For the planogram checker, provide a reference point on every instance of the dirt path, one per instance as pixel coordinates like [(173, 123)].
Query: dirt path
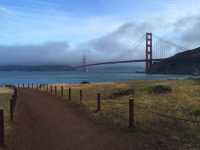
[(43, 122)]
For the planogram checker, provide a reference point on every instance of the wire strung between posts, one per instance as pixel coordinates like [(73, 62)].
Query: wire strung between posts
[(146, 109)]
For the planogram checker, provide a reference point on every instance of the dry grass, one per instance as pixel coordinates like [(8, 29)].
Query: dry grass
[(184, 99), (5, 95), (4, 90)]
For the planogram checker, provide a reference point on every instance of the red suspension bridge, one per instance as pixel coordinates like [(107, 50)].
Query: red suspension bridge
[(155, 51)]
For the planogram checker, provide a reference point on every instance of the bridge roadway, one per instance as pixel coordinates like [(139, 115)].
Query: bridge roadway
[(117, 62)]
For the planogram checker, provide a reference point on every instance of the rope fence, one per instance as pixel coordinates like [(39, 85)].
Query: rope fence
[(133, 107), (147, 109)]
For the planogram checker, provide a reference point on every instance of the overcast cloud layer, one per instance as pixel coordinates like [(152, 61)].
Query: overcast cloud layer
[(59, 37)]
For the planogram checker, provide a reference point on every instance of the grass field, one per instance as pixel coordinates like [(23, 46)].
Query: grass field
[(182, 102), (156, 114), (5, 95)]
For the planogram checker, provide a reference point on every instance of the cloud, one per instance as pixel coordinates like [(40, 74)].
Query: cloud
[(121, 44), (36, 25), (118, 44), (183, 31), (48, 53), (4, 10), (190, 35), (98, 43)]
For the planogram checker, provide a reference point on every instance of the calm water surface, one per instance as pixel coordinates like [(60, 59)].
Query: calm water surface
[(15, 77)]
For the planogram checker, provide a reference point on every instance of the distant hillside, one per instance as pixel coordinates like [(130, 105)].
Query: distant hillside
[(187, 62), (36, 68)]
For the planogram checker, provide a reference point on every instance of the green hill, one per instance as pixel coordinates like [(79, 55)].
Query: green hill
[(187, 62)]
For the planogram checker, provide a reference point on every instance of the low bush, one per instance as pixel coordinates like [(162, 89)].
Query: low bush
[(84, 82), (195, 113), (122, 92), (159, 89)]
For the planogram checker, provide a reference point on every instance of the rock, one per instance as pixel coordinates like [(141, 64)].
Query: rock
[(84, 82)]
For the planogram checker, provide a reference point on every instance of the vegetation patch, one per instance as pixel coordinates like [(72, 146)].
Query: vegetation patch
[(122, 92), (5, 95), (84, 82), (178, 98), (159, 89), (195, 113)]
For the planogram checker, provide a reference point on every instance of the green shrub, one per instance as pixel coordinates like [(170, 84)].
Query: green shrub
[(122, 92), (195, 113), (159, 89), (84, 82)]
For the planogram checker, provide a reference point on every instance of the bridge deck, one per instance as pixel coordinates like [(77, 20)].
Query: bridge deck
[(116, 62)]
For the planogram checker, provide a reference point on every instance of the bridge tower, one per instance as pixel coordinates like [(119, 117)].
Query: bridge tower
[(148, 52), (84, 69)]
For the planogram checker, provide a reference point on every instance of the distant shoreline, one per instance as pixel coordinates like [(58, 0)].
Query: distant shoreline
[(37, 68)]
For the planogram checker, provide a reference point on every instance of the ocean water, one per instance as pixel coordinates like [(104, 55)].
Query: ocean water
[(15, 77)]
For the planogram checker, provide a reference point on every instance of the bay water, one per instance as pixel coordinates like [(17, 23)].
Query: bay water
[(19, 77)]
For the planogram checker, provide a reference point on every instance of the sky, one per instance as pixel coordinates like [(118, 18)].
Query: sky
[(41, 32)]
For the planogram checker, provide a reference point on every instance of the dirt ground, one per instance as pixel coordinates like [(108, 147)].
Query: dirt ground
[(44, 122)]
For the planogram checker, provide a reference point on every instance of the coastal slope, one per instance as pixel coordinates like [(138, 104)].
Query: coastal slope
[(187, 62)]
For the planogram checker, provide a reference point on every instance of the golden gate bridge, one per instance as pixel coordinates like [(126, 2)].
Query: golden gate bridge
[(155, 51)]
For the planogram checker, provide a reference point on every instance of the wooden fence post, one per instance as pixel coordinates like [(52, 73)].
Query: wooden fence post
[(131, 113), (11, 109), (15, 91), (55, 90), (51, 90), (23, 85), (62, 93), (69, 98), (81, 96), (14, 98), (1, 127), (98, 102)]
